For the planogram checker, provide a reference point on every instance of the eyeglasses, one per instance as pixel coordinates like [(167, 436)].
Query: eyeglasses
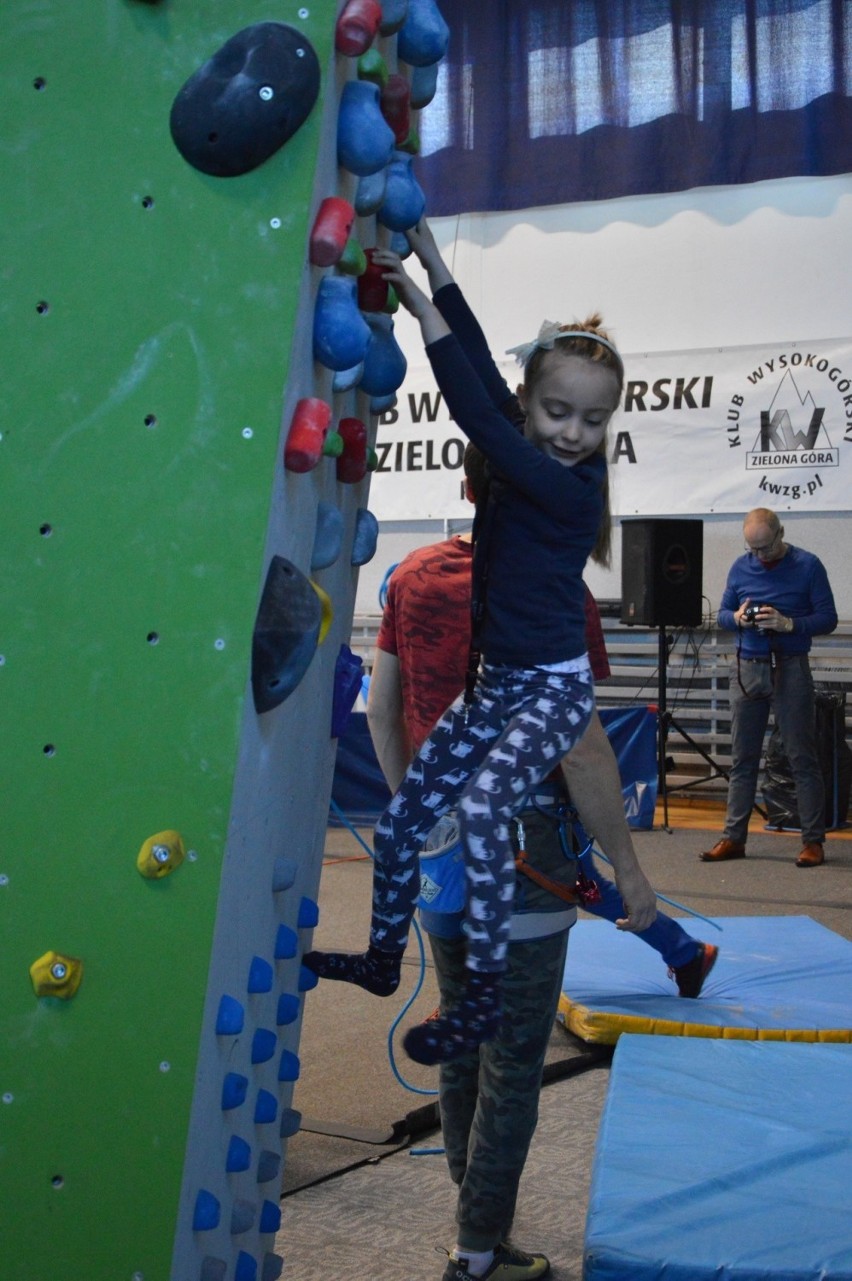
[(765, 549)]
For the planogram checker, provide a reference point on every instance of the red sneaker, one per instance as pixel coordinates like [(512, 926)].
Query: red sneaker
[(690, 976)]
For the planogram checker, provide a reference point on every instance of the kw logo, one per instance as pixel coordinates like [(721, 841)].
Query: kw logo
[(792, 433)]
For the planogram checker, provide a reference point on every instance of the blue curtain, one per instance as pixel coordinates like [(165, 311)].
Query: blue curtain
[(545, 102)]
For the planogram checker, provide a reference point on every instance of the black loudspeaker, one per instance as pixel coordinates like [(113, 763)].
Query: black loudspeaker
[(661, 566)]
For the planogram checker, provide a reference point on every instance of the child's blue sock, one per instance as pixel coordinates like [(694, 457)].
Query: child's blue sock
[(376, 971), (461, 1029)]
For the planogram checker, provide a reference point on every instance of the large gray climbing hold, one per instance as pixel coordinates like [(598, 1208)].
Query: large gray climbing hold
[(247, 100)]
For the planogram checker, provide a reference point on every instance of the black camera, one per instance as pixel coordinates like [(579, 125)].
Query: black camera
[(750, 613)]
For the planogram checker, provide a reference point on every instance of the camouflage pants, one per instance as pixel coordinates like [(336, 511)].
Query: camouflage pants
[(489, 1099)]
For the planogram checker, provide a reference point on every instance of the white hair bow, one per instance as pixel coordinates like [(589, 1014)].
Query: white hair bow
[(547, 335)]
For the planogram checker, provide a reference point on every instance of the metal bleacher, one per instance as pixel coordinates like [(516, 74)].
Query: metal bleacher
[(696, 686)]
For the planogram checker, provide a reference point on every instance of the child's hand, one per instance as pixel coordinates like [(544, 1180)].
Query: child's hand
[(410, 295), (426, 251), (423, 243), (432, 324)]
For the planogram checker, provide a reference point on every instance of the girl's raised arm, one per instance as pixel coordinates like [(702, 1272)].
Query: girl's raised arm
[(432, 323)]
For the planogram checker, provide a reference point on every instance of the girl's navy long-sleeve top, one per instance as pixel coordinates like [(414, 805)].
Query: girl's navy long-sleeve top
[(545, 516)]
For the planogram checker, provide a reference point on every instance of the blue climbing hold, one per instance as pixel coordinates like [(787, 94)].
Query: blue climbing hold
[(291, 1121), (393, 16), (384, 364), (286, 943), (270, 1217), (381, 404), (400, 244), (365, 538), (273, 1266), (346, 379), (263, 1045), (308, 911), (404, 201), (265, 1108), (340, 332), (365, 140), (239, 1155), (348, 671), (288, 1008), (289, 1067), (260, 977), (207, 1212), (328, 535), (246, 1268), (424, 36), (424, 85), (370, 192), (283, 874), (234, 1090), (242, 1217), (230, 1018), (268, 1165)]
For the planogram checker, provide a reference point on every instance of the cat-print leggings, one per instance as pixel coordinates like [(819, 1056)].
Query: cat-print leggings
[(483, 760)]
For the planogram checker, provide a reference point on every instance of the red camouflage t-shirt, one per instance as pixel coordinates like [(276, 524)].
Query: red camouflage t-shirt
[(426, 625)]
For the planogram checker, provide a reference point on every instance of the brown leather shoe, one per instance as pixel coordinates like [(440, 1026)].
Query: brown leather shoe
[(812, 855), (722, 850)]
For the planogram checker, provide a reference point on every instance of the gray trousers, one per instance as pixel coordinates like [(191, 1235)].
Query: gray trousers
[(489, 1099), (753, 692)]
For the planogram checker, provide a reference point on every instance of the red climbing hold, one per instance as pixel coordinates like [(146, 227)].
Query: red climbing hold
[(352, 463), (330, 231), (307, 433), (372, 286), (395, 102), (357, 27)]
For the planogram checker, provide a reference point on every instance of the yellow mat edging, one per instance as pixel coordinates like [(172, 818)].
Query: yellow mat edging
[(599, 1028)]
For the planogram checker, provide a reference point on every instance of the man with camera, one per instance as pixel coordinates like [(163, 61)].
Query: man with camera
[(776, 598)]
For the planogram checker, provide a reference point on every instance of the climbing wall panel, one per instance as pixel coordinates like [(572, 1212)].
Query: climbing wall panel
[(176, 589)]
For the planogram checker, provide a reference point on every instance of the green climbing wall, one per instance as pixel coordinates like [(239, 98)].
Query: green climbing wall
[(149, 317), (162, 829)]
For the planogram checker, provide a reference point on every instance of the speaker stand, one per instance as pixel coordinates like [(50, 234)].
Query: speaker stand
[(666, 722)]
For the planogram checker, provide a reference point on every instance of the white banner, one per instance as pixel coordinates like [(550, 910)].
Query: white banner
[(698, 432)]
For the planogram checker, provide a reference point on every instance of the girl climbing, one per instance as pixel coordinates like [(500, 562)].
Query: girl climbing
[(529, 692)]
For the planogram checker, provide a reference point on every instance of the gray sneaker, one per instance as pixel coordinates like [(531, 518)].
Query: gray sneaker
[(508, 1265)]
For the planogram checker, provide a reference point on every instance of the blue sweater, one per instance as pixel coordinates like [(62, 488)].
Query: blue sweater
[(796, 585), (545, 517)]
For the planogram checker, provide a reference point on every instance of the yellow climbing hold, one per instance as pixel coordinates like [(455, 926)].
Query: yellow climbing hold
[(327, 611), (56, 975), (160, 855)]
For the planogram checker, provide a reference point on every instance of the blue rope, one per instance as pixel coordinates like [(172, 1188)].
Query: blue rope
[(591, 848), (415, 1089), (345, 821)]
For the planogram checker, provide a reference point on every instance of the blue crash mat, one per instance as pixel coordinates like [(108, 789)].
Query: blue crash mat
[(723, 1161), (777, 978)]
